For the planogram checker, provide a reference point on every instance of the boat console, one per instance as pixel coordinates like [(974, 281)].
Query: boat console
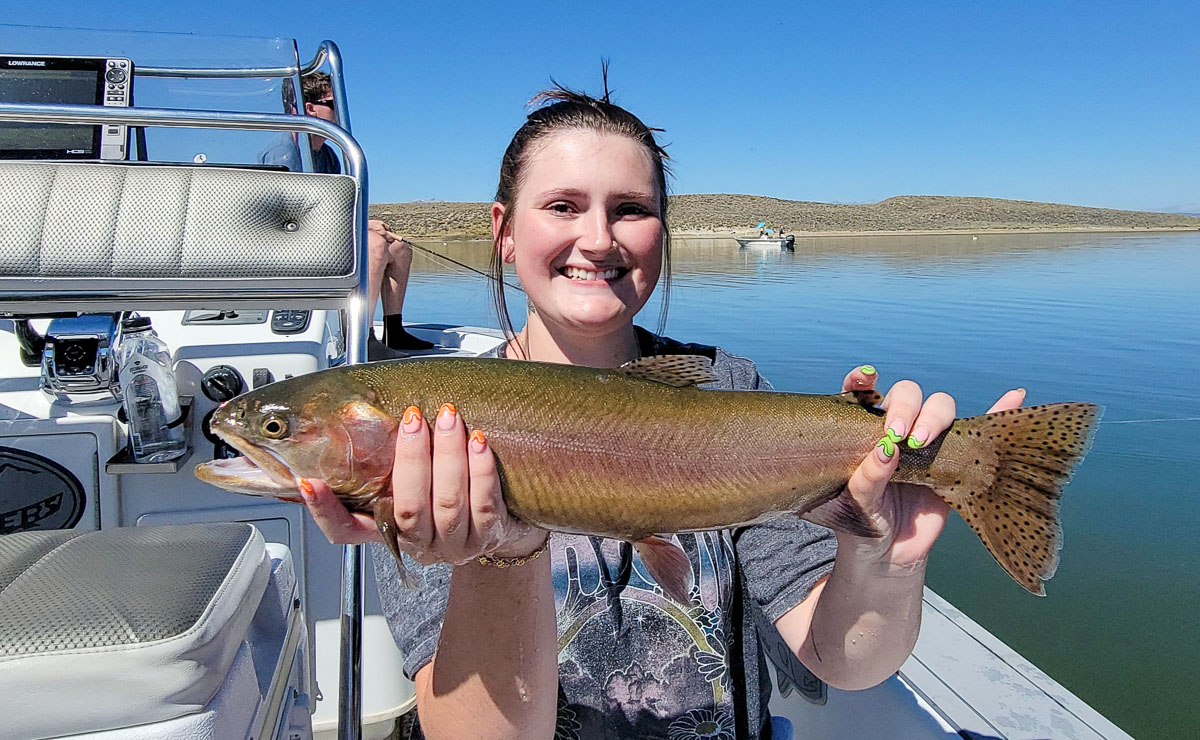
[(134, 599)]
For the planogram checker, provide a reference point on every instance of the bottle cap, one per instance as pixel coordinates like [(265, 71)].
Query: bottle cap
[(134, 323)]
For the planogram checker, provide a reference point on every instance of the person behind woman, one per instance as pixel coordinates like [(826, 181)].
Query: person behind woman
[(390, 255), (505, 641)]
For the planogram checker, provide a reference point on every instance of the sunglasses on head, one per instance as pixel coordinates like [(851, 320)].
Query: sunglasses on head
[(326, 103)]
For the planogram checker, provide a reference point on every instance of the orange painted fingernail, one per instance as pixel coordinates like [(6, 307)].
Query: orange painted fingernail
[(306, 489), (478, 441), (412, 420), (445, 416)]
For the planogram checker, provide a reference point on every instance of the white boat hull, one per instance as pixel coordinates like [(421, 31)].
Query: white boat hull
[(760, 243)]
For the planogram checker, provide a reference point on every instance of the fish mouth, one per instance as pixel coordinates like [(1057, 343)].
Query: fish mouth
[(258, 472), (608, 274)]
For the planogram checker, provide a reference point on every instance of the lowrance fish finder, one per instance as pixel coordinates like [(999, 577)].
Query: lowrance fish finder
[(65, 80)]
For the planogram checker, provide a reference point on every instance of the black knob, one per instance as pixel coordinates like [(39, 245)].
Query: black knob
[(115, 76), (222, 383)]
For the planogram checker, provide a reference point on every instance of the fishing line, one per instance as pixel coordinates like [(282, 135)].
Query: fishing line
[(1151, 420), (437, 255)]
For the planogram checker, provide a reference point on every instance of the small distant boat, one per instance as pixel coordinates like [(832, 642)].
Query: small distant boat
[(768, 242), (760, 242)]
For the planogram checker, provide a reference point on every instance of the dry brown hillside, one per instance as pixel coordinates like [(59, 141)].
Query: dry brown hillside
[(739, 213)]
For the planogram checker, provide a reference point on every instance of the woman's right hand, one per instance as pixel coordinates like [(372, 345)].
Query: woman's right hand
[(446, 498)]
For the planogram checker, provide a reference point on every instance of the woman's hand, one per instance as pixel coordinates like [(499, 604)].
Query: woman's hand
[(446, 498), (910, 515)]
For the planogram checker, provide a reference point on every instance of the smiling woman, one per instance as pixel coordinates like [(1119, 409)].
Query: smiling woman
[(600, 639), (623, 211), (591, 245)]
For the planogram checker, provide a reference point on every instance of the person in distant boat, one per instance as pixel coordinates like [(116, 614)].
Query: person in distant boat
[(390, 254), (514, 633)]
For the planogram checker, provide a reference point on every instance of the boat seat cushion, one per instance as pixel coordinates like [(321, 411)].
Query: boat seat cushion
[(72, 228), (109, 629)]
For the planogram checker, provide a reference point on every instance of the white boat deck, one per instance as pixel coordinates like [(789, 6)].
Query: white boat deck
[(987, 689), (961, 681)]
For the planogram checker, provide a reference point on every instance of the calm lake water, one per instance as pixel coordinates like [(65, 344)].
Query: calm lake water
[(1110, 319)]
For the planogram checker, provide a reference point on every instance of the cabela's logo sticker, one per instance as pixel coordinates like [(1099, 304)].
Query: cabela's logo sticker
[(37, 493)]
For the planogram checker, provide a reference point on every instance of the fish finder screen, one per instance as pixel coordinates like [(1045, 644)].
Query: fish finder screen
[(70, 86)]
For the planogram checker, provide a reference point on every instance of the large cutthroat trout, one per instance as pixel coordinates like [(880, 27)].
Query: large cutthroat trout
[(639, 451)]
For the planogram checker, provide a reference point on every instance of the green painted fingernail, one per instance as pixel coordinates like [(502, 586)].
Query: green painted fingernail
[(867, 370), (889, 442), (918, 438)]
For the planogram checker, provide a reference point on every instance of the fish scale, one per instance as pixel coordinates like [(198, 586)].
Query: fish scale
[(639, 451)]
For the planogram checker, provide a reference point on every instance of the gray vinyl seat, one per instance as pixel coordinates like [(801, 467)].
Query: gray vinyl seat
[(122, 627), (96, 236)]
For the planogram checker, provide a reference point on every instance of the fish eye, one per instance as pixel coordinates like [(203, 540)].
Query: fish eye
[(274, 427)]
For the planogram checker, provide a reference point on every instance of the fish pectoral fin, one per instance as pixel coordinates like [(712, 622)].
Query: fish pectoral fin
[(360, 414), (385, 521), (841, 513), (669, 565), (677, 371)]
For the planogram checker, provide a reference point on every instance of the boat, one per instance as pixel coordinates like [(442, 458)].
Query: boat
[(767, 243), (138, 602), (760, 242)]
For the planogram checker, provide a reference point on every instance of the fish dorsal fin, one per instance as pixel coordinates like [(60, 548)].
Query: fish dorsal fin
[(869, 398), (677, 371)]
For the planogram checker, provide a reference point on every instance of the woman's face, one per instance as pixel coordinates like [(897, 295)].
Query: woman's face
[(585, 232)]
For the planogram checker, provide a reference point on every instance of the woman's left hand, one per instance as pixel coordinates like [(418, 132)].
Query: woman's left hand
[(911, 516)]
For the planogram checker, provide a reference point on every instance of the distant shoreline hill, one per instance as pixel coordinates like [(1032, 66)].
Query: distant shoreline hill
[(737, 214)]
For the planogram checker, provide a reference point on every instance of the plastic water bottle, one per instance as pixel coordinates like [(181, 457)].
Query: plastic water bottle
[(149, 394)]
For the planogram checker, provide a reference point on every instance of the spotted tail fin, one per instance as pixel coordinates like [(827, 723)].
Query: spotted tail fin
[(1004, 474)]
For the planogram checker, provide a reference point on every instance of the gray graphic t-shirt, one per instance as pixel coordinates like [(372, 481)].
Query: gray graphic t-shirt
[(633, 663)]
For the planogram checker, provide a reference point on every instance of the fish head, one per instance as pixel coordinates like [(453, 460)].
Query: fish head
[(324, 426)]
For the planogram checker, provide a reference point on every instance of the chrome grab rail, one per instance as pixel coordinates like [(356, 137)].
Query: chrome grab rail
[(98, 114), (350, 668), (327, 50)]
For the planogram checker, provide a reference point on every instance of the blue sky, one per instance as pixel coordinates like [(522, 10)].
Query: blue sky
[(1091, 103)]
